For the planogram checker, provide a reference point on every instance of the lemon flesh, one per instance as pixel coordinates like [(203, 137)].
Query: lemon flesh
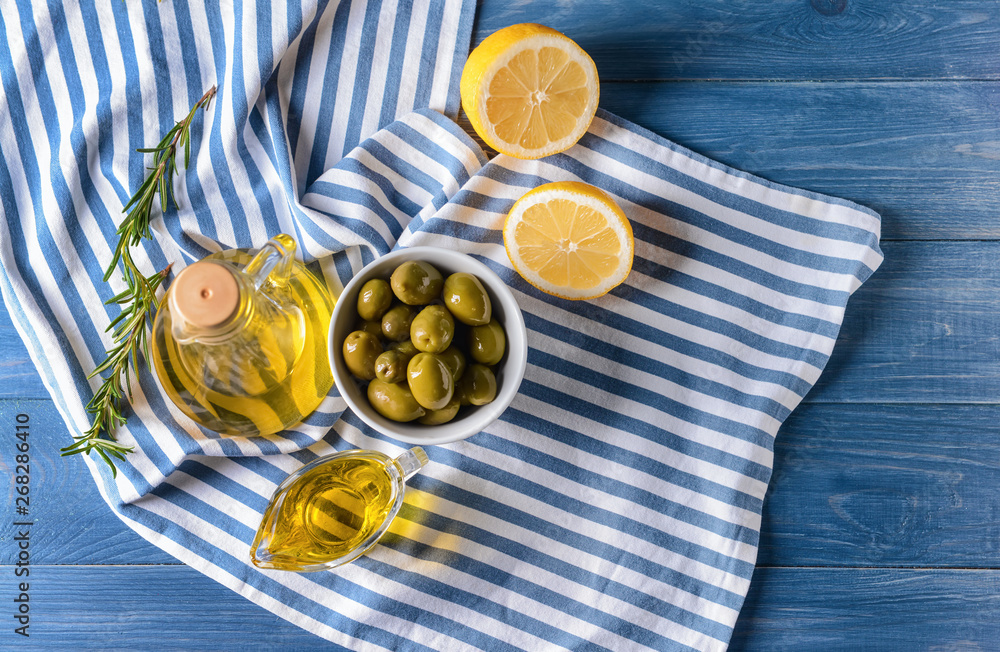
[(569, 239)]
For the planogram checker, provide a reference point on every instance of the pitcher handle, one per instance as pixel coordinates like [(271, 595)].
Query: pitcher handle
[(273, 261), (411, 461)]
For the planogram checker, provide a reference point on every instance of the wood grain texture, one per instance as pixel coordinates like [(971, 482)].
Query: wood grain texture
[(870, 609), (774, 40), (18, 376), (144, 608), (923, 329), (72, 523), (885, 485), (925, 156)]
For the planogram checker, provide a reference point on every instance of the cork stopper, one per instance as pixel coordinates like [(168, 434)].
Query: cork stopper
[(205, 294)]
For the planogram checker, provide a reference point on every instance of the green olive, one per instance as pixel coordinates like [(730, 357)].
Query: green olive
[(466, 298), (374, 299), (360, 351), (373, 328), (416, 283), (433, 329), (444, 415), (405, 348), (430, 381), (455, 359), (396, 323), (478, 385), (391, 367), (487, 343), (394, 401)]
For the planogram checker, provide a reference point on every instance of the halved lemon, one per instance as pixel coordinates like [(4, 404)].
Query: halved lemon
[(569, 239), (529, 91)]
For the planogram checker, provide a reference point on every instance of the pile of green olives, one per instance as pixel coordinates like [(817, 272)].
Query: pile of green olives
[(425, 344)]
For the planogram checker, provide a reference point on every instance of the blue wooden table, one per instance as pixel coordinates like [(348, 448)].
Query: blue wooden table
[(882, 525)]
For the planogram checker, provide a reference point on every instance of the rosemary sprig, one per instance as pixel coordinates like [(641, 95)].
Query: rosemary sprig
[(138, 301)]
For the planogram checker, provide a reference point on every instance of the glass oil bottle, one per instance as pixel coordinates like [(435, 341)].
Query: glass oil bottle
[(240, 340)]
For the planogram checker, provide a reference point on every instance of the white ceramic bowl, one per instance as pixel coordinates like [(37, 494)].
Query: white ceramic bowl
[(471, 419)]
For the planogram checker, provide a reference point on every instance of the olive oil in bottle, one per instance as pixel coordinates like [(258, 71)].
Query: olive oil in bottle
[(240, 340), (333, 510)]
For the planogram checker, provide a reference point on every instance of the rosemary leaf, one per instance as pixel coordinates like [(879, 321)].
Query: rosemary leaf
[(136, 197), (138, 301), (163, 192)]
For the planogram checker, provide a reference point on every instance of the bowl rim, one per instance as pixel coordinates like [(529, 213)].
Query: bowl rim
[(508, 379)]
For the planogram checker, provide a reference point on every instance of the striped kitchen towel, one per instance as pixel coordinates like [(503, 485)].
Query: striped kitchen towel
[(615, 505)]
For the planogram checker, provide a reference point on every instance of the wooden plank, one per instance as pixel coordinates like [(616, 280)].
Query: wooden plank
[(140, 608), (925, 156), (885, 485), (62, 492), (775, 40), (870, 609), (18, 376), (923, 329)]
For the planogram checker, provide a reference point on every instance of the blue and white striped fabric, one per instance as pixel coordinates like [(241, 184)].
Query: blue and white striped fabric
[(617, 502)]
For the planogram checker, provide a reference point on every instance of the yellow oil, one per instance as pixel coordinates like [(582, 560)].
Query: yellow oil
[(265, 378), (327, 513)]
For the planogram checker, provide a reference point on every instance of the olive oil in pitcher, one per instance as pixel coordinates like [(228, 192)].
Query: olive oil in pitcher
[(240, 340), (333, 510)]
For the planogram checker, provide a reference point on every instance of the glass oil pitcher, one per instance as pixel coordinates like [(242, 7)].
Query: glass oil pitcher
[(240, 340), (333, 510)]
